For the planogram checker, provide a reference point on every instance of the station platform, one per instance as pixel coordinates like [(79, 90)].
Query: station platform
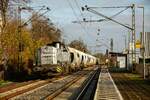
[(106, 88)]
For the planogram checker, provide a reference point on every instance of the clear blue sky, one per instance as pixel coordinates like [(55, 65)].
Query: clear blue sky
[(63, 12)]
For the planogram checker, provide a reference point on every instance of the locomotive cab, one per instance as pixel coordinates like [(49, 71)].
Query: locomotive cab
[(52, 59)]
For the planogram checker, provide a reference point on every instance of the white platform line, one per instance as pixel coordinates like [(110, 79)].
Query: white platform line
[(117, 90), (114, 85), (95, 96)]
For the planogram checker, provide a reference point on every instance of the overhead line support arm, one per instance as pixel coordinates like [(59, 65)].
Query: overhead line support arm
[(97, 13)]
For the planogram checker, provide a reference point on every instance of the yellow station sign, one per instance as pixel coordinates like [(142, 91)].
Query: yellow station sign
[(138, 44)]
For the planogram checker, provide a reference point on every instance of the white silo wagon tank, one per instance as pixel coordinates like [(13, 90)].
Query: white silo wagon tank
[(75, 58)]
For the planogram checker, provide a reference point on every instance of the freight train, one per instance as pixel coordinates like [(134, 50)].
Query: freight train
[(56, 58)]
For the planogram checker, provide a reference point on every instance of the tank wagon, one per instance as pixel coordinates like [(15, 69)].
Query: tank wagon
[(56, 58)]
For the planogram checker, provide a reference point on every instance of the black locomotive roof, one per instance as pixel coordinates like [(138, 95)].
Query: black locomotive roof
[(54, 43)]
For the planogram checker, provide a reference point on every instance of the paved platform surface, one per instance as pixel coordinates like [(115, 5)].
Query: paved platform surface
[(106, 88)]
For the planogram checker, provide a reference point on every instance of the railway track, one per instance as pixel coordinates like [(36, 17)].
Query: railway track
[(131, 89), (14, 85), (82, 89), (16, 89), (74, 87), (89, 87), (47, 90)]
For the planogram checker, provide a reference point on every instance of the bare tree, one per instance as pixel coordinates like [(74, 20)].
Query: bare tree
[(4, 9), (42, 27), (80, 45), (101, 57), (4, 13)]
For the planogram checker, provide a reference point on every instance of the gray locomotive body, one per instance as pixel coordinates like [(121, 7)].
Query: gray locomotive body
[(56, 58)]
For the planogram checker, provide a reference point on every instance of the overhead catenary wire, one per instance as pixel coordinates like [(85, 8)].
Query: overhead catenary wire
[(112, 7), (100, 20), (75, 14), (119, 12), (77, 17), (32, 18), (79, 8), (100, 14)]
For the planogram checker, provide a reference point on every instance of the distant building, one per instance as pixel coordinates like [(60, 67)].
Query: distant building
[(118, 60)]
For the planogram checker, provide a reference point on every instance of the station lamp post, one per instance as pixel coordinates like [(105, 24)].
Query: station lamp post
[(143, 46)]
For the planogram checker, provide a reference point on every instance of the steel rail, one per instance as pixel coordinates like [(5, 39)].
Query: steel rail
[(81, 94), (64, 87), (18, 91)]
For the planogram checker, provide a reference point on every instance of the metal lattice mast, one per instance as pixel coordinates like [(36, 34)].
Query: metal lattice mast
[(133, 35)]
